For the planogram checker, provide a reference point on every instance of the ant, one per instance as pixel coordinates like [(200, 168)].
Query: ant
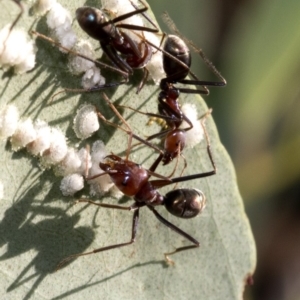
[(176, 64), (134, 181), (127, 54), (112, 40)]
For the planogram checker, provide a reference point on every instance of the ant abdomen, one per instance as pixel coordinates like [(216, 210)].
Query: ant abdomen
[(185, 203), (175, 46)]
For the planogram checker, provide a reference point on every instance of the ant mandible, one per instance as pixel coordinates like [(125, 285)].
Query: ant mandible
[(134, 181), (113, 40)]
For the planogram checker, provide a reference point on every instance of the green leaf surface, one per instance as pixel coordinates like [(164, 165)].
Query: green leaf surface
[(39, 226)]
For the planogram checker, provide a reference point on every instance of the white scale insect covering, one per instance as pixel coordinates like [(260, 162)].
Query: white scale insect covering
[(71, 184), (24, 134), (70, 164), (42, 140), (59, 20), (57, 150), (41, 7), (16, 50), (195, 135), (86, 121), (9, 118)]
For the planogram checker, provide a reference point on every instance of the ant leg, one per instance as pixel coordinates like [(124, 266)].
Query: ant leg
[(208, 147), (135, 221), (183, 169), (144, 14), (128, 130), (14, 22), (161, 42), (96, 62), (143, 81), (94, 89), (99, 64), (86, 173), (146, 113), (117, 60), (164, 117), (176, 165), (153, 167), (177, 230), (106, 205), (130, 14), (18, 2), (184, 166)]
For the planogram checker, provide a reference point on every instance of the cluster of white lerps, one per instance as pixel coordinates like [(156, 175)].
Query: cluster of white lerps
[(16, 50), (50, 145)]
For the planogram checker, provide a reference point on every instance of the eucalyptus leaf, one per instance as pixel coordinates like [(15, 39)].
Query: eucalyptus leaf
[(39, 226)]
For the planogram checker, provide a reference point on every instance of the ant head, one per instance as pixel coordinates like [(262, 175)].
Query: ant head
[(174, 144), (94, 22), (185, 203), (127, 175)]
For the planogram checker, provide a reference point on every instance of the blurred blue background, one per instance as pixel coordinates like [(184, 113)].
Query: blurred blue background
[(256, 46)]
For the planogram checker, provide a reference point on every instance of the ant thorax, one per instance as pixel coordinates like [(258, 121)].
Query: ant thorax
[(149, 195)]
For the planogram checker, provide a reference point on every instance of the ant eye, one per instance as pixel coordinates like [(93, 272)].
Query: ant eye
[(90, 18), (125, 181)]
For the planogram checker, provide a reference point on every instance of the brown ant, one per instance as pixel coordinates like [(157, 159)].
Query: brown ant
[(134, 181), (125, 53), (113, 41), (176, 64)]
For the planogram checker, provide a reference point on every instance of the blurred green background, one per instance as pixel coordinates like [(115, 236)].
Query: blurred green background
[(256, 46)]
